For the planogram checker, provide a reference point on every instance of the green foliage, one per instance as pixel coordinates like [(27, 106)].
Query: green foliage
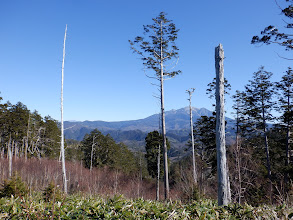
[(73, 150), (157, 47), (259, 100), (52, 134), (78, 207), (126, 159), (205, 138), (38, 136), (285, 96), (271, 34), (13, 187), (52, 192), (99, 150), (211, 90), (154, 141)]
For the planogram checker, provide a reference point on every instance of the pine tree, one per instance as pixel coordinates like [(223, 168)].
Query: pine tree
[(153, 142), (238, 107), (259, 105), (285, 95), (158, 51), (101, 150), (271, 34)]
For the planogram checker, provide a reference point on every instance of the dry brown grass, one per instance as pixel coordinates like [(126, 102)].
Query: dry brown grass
[(102, 181)]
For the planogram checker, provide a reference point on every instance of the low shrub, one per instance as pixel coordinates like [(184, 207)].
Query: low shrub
[(52, 192), (13, 186)]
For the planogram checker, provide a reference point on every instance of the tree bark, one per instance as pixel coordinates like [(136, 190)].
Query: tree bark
[(238, 166), (9, 157), (223, 186), (62, 125), (166, 172), (92, 153), (192, 137), (288, 141), (27, 134), (158, 174), (267, 151)]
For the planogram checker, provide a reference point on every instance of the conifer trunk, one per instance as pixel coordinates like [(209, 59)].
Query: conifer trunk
[(288, 141), (238, 162), (166, 172), (267, 150), (158, 173), (165, 156), (223, 186)]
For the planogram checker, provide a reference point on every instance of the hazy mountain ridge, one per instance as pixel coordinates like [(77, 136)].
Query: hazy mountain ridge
[(175, 120), (133, 132)]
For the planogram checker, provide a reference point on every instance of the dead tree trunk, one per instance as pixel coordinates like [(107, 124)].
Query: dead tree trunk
[(192, 137), (92, 153), (223, 187), (27, 134), (9, 157), (62, 126)]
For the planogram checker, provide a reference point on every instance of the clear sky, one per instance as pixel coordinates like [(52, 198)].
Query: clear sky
[(104, 80)]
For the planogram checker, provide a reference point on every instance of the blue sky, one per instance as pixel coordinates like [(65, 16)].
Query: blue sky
[(104, 80)]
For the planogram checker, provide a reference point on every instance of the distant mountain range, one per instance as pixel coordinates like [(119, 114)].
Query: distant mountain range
[(133, 132), (175, 120)]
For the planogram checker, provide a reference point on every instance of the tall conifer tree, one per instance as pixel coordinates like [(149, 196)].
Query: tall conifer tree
[(158, 52), (285, 96), (259, 105)]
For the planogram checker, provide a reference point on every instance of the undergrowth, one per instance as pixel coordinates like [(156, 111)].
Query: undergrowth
[(77, 206)]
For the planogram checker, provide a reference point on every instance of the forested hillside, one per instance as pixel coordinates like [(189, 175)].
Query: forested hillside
[(170, 165)]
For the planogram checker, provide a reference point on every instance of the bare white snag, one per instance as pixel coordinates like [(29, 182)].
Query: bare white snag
[(62, 125), (27, 134), (9, 157), (190, 91), (224, 196), (92, 152)]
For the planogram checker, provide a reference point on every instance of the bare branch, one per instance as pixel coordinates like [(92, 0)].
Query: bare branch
[(283, 57), (155, 33), (278, 5), (153, 84), (169, 77), (168, 55), (140, 53), (174, 65), (157, 97)]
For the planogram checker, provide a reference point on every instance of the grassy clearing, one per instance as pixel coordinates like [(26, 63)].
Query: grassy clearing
[(85, 207)]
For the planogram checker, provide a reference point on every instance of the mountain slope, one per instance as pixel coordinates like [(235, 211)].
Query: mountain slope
[(175, 120), (133, 132)]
